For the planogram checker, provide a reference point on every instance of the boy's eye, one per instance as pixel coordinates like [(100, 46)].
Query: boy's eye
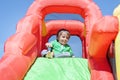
[(65, 37)]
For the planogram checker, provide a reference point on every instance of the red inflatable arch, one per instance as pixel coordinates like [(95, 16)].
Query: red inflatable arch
[(76, 28), (23, 47)]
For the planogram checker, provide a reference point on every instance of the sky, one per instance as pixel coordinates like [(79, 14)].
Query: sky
[(11, 11)]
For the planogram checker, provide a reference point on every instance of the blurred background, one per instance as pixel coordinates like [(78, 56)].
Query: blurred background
[(11, 11)]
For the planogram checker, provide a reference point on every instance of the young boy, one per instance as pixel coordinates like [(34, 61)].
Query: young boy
[(59, 47)]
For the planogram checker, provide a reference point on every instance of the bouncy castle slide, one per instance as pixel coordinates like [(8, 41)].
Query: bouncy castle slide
[(97, 33)]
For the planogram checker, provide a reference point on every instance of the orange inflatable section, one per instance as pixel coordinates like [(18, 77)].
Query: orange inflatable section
[(96, 33), (100, 41)]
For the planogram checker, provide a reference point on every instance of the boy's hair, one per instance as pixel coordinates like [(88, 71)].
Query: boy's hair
[(62, 30)]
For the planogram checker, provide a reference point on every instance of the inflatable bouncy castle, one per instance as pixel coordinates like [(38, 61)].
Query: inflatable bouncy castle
[(99, 35)]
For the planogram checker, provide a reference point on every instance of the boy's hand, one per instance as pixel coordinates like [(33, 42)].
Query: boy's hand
[(48, 45)]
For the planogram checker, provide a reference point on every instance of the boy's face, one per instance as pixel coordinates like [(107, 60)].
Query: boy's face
[(63, 38)]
